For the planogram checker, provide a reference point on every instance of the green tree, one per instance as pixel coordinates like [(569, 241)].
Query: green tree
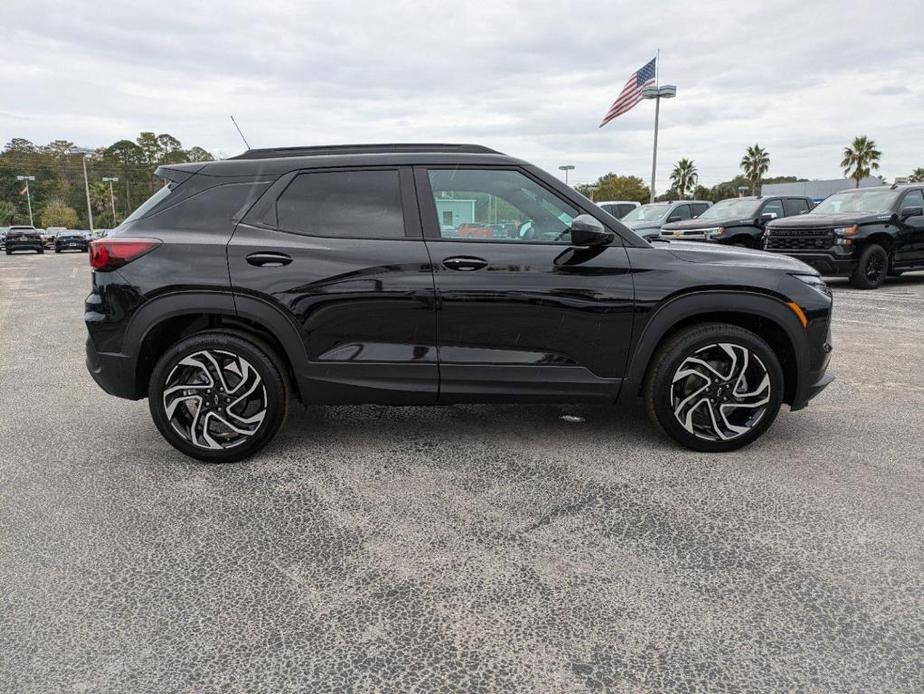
[(917, 176), (615, 187), (198, 154), (684, 177), (755, 163), (860, 159), (58, 214), (7, 213)]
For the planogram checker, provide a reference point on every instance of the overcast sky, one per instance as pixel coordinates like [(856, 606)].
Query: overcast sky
[(532, 79)]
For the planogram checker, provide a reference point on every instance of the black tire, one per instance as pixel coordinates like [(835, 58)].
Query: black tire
[(41, 251), (663, 392), (57, 250), (273, 400), (871, 269)]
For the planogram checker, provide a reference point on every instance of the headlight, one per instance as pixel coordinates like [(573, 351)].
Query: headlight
[(815, 282), (847, 231), (713, 232)]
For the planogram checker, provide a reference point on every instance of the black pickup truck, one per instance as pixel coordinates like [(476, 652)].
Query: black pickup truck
[(863, 233)]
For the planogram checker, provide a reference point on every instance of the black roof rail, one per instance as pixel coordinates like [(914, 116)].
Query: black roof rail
[(280, 152)]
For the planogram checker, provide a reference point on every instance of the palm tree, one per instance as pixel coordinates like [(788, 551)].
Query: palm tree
[(917, 176), (684, 176), (755, 164), (860, 159)]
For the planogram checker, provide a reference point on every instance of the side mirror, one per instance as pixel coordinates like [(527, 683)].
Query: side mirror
[(673, 218), (587, 231), (911, 212), (767, 216)]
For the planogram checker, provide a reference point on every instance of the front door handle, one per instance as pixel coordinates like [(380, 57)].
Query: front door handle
[(465, 263), (269, 258)]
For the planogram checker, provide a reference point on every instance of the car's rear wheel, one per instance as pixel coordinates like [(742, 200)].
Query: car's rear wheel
[(218, 397), (871, 269), (714, 387)]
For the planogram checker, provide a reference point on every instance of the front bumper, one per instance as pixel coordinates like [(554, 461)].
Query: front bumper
[(827, 264)]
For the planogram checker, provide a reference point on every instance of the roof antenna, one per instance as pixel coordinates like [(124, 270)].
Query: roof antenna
[(246, 144)]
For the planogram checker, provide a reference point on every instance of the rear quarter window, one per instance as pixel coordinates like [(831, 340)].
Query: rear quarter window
[(211, 209)]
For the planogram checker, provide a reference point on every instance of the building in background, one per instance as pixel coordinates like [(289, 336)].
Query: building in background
[(817, 190)]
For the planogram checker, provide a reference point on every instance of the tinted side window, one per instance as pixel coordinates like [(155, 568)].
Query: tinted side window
[(795, 206), (699, 208), (773, 207), (210, 210), (913, 199), (623, 210), (345, 204), (681, 212)]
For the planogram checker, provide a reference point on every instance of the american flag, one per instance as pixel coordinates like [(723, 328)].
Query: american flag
[(631, 94)]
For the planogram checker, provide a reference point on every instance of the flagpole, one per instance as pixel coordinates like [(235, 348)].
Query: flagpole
[(654, 155)]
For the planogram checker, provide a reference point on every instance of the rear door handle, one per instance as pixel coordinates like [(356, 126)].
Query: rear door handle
[(465, 263), (269, 258)]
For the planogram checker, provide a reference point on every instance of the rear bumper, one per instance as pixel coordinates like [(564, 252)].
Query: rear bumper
[(113, 372), (24, 245)]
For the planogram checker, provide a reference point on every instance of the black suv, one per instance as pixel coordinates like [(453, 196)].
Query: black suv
[(335, 274), (24, 238), (863, 233), (737, 221), (71, 241)]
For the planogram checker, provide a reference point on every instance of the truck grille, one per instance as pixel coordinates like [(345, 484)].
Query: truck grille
[(799, 239)]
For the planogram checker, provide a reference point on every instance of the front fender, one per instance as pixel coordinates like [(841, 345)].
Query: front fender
[(711, 302)]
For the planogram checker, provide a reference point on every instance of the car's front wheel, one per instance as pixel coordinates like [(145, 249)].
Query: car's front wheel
[(218, 397), (714, 387), (871, 269)]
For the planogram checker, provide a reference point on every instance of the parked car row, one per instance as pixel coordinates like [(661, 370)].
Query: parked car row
[(24, 237), (865, 234)]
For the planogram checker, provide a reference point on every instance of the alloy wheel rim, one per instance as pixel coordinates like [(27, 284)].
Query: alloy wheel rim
[(874, 268), (215, 399), (720, 392)]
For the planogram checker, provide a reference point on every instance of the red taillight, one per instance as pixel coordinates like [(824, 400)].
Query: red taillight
[(112, 253)]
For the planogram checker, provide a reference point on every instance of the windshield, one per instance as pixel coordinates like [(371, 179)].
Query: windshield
[(652, 212), (148, 204), (863, 201), (731, 209)]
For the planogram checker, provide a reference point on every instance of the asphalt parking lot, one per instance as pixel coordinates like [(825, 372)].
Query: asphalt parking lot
[(465, 548)]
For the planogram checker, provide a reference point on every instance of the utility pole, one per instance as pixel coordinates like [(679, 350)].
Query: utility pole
[(111, 180), (28, 195), (86, 180), (86, 185)]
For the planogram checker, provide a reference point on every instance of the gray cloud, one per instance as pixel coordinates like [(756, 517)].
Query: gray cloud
[(529, 78)]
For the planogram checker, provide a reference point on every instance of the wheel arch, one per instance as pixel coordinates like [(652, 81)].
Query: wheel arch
[(163, 321), (765, 315)]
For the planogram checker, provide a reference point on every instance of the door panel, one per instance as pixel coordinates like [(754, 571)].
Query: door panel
[(909, 242), (521, 315), (364, 307)]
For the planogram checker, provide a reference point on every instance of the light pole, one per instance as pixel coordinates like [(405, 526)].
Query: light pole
[(28, 195), (668, 91), (742, 190), (566, 168), (111, 180), (86, 181)]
